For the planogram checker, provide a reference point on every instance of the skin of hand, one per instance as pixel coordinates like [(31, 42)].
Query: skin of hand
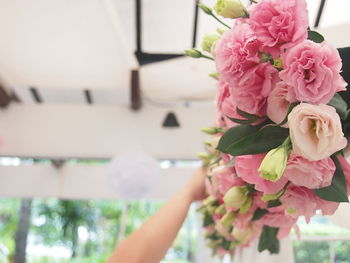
[(150, 242), (196, 186)]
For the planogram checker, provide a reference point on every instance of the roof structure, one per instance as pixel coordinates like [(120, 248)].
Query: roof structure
[(74, 72)]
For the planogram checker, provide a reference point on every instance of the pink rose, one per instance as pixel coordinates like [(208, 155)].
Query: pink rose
[(346, 170), (315, 131), (247, 169), (277, 103), (313, 72), (300, 201), (236, 54), (311, 174), (279, 23), (252, 97)]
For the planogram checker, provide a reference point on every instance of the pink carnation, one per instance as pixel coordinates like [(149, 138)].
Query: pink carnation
[(225, 104), (313, 72), (300, 201), (247, 169), (252, 97), (279, 23), (277, 103), (311, 174), (236, 54)]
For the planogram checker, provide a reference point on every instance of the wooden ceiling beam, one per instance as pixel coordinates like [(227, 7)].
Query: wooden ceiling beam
[(5, 97), (136, 100)]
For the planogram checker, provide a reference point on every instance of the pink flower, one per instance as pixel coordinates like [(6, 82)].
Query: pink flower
[(236, 54), (346, 170), (210, 188), (311, 174), (327, 207), (242, 220), (277, 103), (222, 179), (247, 169), (313, 72), (279, 23), (221, 252), (276, 217), (225, 104), (315, 131), (300, 201), (252, 97), (223, 231)]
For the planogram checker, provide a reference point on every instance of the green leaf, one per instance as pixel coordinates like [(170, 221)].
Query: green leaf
[(336, 192), (274, 203), (248, 118), (259, 213), (261, 141), (234, 134), (268, 240), (340, 105), (291, 107), (207, 220), (315, 36), (247, 115), (240, 121)]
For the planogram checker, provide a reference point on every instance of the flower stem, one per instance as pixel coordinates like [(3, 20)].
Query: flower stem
[(287, 143), (207, 57), (220, 21)]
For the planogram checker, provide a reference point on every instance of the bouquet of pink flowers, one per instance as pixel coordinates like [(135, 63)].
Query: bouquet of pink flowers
[(276, 148)]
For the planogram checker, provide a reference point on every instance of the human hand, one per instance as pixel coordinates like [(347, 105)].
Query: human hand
[(196, 186)]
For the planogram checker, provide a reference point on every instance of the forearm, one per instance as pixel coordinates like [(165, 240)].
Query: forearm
[(150, 243)]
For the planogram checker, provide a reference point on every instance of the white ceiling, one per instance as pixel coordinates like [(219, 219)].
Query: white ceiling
[(63, 47)]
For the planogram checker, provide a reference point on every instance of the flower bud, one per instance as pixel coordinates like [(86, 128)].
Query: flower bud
[(236, 197), (212, 144), (274, 164), (246, 206), (205, 8), (227, 219), (211, 209), (193, 53), (242, 235), (230, 8), (205, 158), (220, 30), (212, 130), (214, 75), (270, 197), (209, 201), (208, 41), (220, 210)]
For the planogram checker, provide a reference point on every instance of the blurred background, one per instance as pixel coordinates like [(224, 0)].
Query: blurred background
[(100, 124)]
